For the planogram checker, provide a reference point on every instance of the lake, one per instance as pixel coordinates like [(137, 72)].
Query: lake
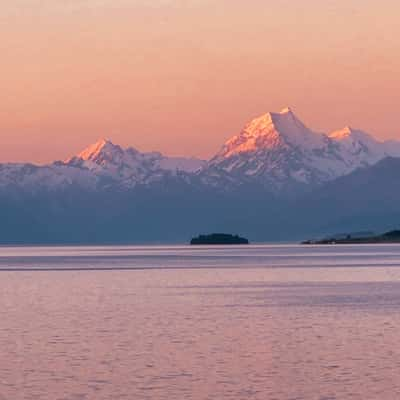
[(177, 322)]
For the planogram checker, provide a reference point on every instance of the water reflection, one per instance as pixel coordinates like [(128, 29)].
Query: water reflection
[(256, 331)]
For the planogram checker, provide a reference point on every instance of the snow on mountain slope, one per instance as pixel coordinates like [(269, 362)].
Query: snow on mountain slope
[(190, 165), (100, 165), (129, 166), (105, 155), (358, 146), (359, 149), (278, 150), (50, 177), (272, 130), (275, 151)]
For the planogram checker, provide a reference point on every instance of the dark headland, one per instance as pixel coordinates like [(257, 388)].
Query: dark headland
[(218, 238), (388, 237)]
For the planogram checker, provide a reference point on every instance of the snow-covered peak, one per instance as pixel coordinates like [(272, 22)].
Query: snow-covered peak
[(94, 149), (348, 134), (284, 122), (272, 130), (357, 144), (285, 110), (101, 152), (129, 166), (341, 134), (295, 131), (277, 148)]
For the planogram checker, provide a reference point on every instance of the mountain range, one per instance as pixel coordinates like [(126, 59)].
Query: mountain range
[(275, 180)]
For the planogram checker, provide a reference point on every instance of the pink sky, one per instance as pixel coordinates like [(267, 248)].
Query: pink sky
[(183, 76)]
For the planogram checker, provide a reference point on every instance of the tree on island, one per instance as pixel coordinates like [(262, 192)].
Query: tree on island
[(219, 238)]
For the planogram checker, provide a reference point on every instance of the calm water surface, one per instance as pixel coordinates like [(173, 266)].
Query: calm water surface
[(256, 322)]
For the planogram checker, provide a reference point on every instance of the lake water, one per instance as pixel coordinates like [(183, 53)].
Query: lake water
[(254, 322)]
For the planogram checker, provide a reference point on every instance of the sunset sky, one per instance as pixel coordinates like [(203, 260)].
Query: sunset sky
[(183, 76)]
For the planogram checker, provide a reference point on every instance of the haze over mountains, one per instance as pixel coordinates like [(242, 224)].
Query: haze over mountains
[(272, 181)]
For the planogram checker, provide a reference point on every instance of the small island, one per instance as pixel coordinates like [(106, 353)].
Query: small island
[(388, 237), (218, 239)]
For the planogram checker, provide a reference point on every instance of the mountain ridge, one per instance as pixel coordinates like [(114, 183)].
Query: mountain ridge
[(275, 150), (278, 150), (173, 211)]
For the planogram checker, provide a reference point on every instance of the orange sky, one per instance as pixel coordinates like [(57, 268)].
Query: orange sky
[(182, 76)]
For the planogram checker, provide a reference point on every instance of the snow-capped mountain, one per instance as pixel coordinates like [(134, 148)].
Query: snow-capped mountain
[(363, 147), (52, 177), (278, 150), (275, 173), (101, 165), (104, 155), (275, 151), (129, 166)]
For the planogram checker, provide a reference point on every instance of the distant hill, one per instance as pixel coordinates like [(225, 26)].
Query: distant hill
[(366, 200)]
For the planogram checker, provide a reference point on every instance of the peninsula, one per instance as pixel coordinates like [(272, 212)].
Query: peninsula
[(388, 237)]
